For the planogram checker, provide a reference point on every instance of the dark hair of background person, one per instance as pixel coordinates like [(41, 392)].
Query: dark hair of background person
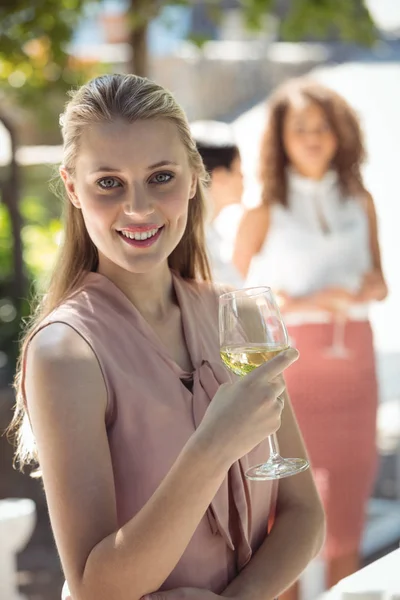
[(215, 156)]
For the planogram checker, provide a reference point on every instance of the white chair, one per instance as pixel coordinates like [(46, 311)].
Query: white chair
[(17, 522)]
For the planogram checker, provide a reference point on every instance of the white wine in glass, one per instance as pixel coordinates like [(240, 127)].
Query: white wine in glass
[(244, 359), (251, 333)]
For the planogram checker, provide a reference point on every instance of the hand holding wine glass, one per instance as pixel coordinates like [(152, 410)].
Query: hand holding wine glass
[(242, 414), (252, 333)]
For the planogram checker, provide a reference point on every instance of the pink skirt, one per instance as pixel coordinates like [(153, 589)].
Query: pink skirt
[(335, 401)]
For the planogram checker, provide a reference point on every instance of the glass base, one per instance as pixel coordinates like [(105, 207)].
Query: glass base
[(277, 468), (337, 352)]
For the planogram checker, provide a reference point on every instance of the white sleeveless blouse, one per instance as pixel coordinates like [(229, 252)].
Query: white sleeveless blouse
[(319, 240)]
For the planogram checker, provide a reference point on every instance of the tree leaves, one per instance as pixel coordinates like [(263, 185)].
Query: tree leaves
[(34, 36), (34, 41), (318, 19)]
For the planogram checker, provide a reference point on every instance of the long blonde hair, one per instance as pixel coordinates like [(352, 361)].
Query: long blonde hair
[(104, 99)]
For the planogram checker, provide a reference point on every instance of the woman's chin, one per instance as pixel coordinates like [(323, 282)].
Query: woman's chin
[(143, 265)]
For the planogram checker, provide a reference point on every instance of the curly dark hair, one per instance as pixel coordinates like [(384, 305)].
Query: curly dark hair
[(350, 153)]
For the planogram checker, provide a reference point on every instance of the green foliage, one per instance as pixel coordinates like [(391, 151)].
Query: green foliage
[(5, 244), (350, 20), (23, 22), (40, 236), (319, 18), (41, 231), (40, 240), (34, 57), (34, 36), (35, 70), (254, 11), (11, 322)]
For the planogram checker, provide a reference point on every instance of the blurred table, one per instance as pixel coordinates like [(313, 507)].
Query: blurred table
[(378, 581)]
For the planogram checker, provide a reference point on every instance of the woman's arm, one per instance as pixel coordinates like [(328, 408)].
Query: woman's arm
[(374, 286), (67, 405), (332, 300), (250, 237), (298, 531)]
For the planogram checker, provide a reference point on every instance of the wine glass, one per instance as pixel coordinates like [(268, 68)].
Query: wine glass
[(252, 332), (338, 348)]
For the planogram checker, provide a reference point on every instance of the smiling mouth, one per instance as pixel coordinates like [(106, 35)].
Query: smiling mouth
[(314, 149), (141, 239)]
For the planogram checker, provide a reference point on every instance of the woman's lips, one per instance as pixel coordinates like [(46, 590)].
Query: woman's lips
[(152, 235)]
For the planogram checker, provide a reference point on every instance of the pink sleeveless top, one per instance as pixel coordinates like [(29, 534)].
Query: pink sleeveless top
[(151, 414)]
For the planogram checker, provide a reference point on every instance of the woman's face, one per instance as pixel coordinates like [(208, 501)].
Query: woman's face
[(308, 139), (133, 184)]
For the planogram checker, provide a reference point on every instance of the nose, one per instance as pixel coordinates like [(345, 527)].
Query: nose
[(137, 203), (315, 134)]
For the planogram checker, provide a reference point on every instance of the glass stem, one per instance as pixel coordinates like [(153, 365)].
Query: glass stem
[(338, 332), (273, 453)]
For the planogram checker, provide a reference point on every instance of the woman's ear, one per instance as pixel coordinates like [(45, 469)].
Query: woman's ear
[(193, 186), (69, 186)]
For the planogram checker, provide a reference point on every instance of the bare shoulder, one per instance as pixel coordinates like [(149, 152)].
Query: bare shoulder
[(259, 211), (66, 398), (254, 227), (367, 202), (251, 234), (58, 357), (258, 215), (58, 341)]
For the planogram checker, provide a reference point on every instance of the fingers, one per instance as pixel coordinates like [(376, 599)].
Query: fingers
[(271, 369), (274, 388)]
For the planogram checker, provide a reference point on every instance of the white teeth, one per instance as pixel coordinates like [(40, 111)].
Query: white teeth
[(144, 235)]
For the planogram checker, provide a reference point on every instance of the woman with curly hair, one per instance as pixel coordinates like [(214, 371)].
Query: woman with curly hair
[(314, 240)]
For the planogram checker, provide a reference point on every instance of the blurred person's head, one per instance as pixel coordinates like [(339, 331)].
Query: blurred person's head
[(311, 129), (135, 199), (221, 157)]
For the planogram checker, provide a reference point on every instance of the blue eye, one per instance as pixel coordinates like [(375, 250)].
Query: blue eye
[(162, 178), (108, 183)]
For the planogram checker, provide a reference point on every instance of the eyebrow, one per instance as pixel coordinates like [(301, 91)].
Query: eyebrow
[(161, 163)]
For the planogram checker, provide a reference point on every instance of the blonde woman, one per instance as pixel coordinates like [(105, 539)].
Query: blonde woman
[(141, 435)]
